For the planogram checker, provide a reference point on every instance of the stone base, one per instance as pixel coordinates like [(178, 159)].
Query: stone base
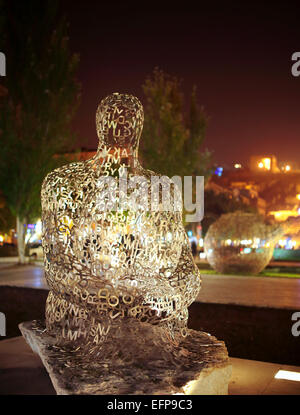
[(207, 374)]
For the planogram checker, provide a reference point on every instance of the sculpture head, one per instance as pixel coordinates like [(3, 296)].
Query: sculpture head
[(119, 121)]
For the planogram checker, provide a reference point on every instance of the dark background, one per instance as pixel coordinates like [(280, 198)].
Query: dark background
[(237, 53)]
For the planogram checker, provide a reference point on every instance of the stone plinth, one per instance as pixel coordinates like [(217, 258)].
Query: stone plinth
[(205, 369)]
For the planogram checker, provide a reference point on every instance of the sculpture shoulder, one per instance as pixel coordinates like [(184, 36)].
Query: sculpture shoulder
[(63, 175), (62, 181)]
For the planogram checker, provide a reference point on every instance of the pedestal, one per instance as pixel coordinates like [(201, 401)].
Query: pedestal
[(206, 371)]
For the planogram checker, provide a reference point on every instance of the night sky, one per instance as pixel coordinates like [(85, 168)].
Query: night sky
[(238, 55)]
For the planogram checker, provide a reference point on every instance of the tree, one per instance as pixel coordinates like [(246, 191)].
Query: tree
[(42, 96), (7, 220), (173, 136)]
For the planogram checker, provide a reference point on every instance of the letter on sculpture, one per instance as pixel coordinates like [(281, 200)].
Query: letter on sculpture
[(121, 276)]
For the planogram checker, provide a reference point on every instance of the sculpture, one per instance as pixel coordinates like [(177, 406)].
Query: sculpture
[(241, 242), (121, 275), (121, 279)]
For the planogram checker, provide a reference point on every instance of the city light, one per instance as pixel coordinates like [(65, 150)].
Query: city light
[(247, 250), (34, 232), (219, 171), (287, 168), (282, 215), (238, 166), (298, 196), (265, 163), (287, 243), (287, 375)]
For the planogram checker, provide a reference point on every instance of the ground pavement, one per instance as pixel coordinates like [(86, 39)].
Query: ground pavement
[(249, 377)]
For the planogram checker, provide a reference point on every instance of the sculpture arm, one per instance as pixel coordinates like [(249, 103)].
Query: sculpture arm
[(187, 275)]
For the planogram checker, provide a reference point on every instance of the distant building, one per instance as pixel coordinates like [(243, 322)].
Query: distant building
[(238, 188), (264, 163)]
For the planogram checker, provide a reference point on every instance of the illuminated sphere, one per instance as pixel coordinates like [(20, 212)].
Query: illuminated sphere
[(240, 242)]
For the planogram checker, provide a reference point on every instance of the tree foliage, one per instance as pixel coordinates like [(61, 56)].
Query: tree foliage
[(7, 220), (42, 96), (219, 204), (173, 135)]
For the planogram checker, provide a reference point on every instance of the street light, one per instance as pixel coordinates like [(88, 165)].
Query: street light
[(265, 163)]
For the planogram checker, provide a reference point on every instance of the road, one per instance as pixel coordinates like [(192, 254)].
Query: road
[(222, 289)]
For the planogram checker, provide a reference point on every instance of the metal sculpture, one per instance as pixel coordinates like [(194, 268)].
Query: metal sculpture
[(241, 242), (121, 275)]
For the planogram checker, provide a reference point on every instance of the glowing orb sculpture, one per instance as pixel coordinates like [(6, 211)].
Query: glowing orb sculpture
[(240, 243), (121, 279)]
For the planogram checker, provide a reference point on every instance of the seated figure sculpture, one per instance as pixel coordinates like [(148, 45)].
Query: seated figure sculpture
[(121, 279)]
